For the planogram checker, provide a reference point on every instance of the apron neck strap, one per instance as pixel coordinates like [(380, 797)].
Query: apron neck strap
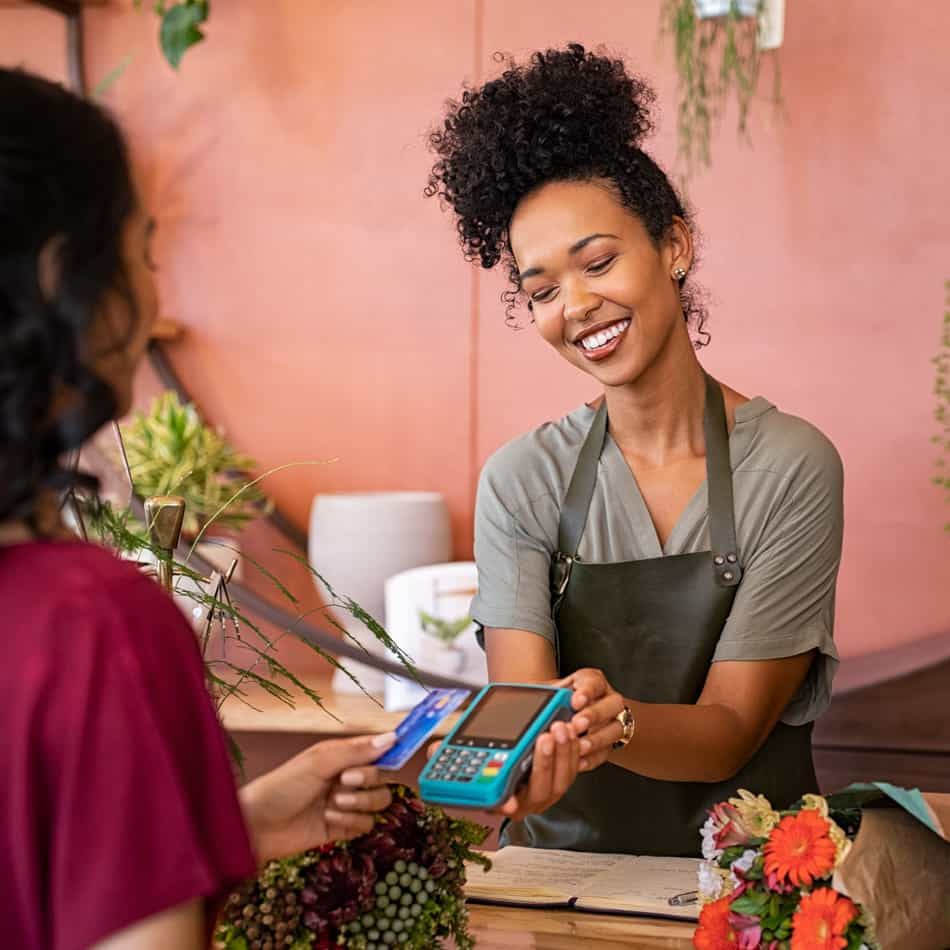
[(722, 526), (722, 518), (581, 489)]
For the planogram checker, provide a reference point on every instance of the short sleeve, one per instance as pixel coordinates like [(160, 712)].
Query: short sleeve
[(143, 808), (513, 550), (785, 601)]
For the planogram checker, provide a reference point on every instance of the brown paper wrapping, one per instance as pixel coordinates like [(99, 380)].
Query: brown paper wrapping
[(900, 871)]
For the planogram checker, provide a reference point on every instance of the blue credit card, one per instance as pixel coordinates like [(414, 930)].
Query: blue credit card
[(419, 724)]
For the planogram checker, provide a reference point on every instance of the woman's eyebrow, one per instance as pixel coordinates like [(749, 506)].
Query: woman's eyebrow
[(573, 249)]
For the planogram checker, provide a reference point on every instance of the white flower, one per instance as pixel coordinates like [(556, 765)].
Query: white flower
[(708, 833), (745, 860), (710, 881)]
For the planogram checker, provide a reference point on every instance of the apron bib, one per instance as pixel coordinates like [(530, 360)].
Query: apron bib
[(652, 626)]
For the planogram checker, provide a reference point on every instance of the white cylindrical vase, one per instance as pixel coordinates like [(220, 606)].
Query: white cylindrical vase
[(359, 540), (711, 8)]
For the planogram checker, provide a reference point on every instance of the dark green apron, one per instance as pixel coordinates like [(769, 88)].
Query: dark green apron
[(652, 626)]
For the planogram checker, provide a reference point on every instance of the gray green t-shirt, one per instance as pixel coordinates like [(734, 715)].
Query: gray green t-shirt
[(787, 483)]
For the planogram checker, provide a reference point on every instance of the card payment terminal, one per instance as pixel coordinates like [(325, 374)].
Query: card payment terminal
[(482, 760)]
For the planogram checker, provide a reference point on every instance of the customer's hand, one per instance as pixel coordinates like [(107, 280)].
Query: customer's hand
[(326, 793), (596, 707)]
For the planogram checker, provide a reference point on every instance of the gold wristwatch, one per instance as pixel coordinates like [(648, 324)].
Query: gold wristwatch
[(625, 718)]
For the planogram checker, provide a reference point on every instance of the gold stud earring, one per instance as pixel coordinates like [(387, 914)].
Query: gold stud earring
[(679, 273)]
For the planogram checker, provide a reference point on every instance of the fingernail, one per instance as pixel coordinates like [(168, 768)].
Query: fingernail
[(384, 740), (345, 799), (583, 724), (333, 816), (582, 764), (353, 778), (561, 736), (547, 747), (585, 746)]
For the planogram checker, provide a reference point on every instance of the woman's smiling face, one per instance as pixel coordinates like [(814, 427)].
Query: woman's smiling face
[(602, 292)]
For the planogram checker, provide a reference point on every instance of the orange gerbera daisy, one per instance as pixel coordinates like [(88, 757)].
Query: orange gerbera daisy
[(821, 920), (714, 931), (800, 849)]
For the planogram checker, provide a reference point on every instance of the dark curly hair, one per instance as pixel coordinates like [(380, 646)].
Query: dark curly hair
[(567, 115), (65, 179)]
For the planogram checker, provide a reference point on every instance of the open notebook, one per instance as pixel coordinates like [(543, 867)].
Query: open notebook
[(601, 883)]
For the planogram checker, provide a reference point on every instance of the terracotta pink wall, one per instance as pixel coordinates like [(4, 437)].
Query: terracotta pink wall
[(330, 314)]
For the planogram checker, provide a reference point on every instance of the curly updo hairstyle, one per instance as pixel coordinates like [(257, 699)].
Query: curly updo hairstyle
[(64, 178), (567, 115)]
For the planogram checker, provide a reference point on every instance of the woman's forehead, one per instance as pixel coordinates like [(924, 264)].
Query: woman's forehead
[(555, 217)]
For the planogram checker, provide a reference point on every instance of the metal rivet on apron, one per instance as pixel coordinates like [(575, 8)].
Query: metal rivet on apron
[(731, 558), (719, 559), (727, 575)]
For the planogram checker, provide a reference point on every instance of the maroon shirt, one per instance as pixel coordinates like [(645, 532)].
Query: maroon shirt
[(116, 794)]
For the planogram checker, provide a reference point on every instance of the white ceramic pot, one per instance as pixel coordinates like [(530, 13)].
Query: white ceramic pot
[(358, 541), (712, 8)]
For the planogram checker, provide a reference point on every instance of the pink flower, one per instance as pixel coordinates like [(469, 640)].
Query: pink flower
[(773, 884), (730, 830), (748, 931)]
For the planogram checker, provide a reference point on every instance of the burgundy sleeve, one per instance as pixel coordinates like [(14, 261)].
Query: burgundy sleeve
[(144, 808)]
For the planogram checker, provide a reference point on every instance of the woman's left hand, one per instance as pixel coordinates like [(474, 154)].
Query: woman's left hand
[(326, 793), (596, 708)]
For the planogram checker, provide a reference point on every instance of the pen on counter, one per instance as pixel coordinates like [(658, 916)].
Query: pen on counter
[(687, 897)]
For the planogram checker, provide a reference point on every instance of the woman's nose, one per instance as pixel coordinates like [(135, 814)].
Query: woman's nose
[(580, 303)]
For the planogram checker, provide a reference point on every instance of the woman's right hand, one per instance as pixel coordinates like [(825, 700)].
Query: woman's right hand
[(596, 707), (553, 770)]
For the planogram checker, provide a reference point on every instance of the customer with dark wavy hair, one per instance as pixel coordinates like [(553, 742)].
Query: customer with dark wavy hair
[(669, 550), (119, 817)]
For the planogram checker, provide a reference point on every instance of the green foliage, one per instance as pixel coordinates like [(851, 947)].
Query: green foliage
[(446, 631), (228, 675), (172, 452), (180, 27), (402, 884), (704, 86), (942, 412)]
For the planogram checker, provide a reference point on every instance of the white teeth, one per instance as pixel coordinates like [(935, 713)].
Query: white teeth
[(597, 340)]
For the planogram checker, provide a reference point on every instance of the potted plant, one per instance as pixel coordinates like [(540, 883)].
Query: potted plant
[(445, 656), (171, 451), (718, 47)]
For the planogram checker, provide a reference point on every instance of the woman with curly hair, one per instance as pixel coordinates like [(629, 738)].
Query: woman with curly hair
[(119, 818), (669, 550)]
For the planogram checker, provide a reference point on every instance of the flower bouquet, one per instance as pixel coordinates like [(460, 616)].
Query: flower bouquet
[(826, 874), (401, 885)]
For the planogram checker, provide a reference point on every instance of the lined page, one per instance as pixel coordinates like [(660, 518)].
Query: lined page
[(642, 884), (539, 875)]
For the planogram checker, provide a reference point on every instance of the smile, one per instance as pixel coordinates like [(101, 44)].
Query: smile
[(603, 342)]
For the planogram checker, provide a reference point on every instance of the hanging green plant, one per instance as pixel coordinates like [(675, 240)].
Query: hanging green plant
[(717, 57), (180, 28)]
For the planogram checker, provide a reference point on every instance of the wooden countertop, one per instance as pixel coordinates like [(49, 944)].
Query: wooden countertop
[(355, 714), (508, 928)]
